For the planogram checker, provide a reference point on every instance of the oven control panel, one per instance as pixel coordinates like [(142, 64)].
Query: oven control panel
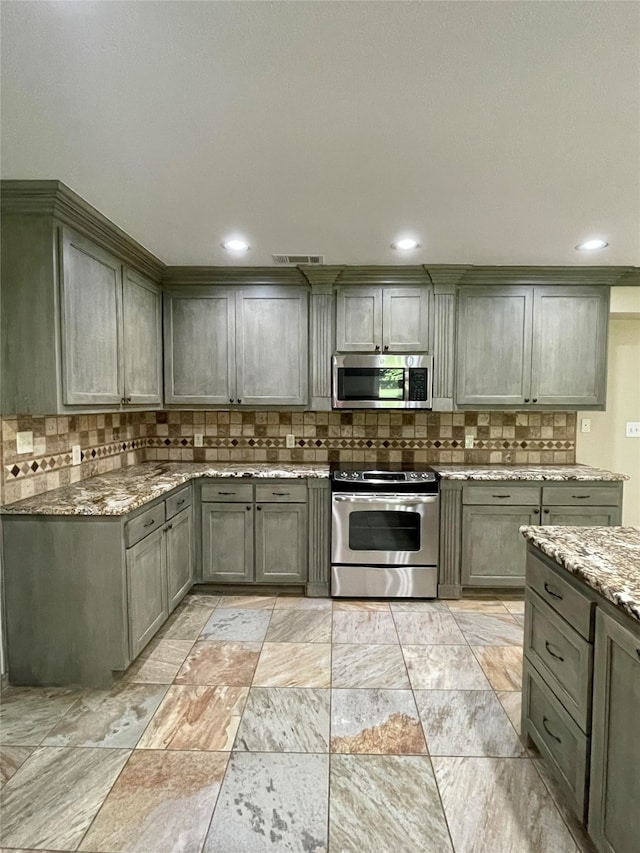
[(387, 477)]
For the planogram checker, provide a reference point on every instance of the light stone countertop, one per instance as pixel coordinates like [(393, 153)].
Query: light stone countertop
[(605, 558), (120, 492)]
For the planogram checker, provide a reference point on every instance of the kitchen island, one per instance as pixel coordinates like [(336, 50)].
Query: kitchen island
[(581, 675)]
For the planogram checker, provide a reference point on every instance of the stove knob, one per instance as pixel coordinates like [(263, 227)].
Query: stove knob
[(413, 475)]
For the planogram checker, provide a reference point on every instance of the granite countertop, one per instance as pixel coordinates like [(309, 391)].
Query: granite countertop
[(120, 492), (558, 473), (605, 558)]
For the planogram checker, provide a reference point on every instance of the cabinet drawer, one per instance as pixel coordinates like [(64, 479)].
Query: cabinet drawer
[(501, 493), (561, 655), (600, 495), (176, 503), (561, 596), (294, 492), (222, 492), (557, 737), (143, 524)]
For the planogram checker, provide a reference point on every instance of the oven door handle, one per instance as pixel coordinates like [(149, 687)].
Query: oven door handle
[(406, 500)]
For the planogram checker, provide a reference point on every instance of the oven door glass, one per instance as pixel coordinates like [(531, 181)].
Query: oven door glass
[(384, 530), (370, 383)]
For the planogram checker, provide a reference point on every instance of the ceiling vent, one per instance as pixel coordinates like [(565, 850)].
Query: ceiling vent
[(294, 260)]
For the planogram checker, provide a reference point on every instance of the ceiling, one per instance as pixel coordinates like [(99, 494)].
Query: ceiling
[(493, 132)]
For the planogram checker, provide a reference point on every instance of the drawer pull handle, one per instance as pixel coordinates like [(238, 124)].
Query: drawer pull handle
[(181, 501), (545, 720), (149, 523), (282, 494), (553, 594), (226, 493), (580, 497), (500, 496), (547, 646)]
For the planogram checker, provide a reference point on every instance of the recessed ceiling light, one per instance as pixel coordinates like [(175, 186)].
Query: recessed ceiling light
[(235, 245), (591, 245), (405, 244)]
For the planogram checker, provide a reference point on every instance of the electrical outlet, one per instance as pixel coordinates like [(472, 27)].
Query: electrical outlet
[(633, 429), (468, 440), (585, 425), (290, 440), (76, 454), (197, 439), (24, 442)]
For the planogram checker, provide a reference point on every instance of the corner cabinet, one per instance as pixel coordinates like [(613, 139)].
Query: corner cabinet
[(245, 346), (382, 319), (522, 347)]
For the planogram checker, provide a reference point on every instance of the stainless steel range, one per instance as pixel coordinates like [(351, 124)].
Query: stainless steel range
[(384, 531)]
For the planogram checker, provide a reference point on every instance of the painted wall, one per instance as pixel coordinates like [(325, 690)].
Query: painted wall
[(606, 445)]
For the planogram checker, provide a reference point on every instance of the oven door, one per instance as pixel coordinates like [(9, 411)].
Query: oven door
[(384, 530)]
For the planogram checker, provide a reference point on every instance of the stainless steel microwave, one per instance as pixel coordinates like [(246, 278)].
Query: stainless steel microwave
[(382, 381)]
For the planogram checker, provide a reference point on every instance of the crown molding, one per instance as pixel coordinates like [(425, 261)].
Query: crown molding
[(541, 275), (372, 275), (185, 276), (55, 199), (322, 277)]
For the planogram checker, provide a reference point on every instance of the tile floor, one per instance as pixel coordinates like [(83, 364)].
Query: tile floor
[(258, 723)]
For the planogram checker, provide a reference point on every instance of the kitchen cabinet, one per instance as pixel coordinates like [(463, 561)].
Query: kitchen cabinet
[(254, 533), (522, 346), (493, 553), (146, 589), (245, 346), (614, 802), (81, 323), (382, 319)]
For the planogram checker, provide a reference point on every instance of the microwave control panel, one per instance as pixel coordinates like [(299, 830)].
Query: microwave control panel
[(418, 383)]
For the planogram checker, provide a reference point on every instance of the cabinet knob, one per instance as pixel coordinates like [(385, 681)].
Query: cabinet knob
[(248, 507), (258, 508), (377, 347), (123, 400), (386, 347), (536, 511), (169, 527), (526, 399), (546, 511), (128, 399), (238, 400), (231, 399), (535, 400)]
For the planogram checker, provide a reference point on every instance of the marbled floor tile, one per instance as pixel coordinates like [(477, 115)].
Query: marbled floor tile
[(271, 802), (511, 701), (285, 719), (477, 605), (247, 602), (359, 665), (161, 801), (11, 759), (302, 602), (27, 714), (55, 795), (244, 625), (467, 722), (158, 662), (202, 599), (499, 805), (481, 629), (214, 663), (365, 604), (108, 718), (299, 626), (294, 665), (519, 619), (363, 627), (376, 722), (185, 623), (399, 606), (502, 665), (515, 606), (444, 668), (582, 840), (385, 803), (427, 629), (196, 717)]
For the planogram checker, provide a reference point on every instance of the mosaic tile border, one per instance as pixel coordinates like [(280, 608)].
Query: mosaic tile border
[(63, 460)]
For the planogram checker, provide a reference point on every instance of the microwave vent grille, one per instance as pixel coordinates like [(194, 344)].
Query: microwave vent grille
[(294, 260)]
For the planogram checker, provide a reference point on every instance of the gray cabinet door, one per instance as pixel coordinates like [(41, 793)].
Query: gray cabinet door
[(142, 340), (359, 319), (281, 538), (614, 802), (569, 354), (581, 516), (227, 542), (493, 364), (199, 346), (405, 319), (146, 589), (493, 551), (179, 540), (91, 323), (271, 346)]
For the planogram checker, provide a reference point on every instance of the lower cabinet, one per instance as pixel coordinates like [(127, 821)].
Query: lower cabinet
[(614, 804), (254, 533), (493, 552), (180, 557)]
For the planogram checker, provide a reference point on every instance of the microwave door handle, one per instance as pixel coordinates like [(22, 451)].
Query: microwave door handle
[(407, 373)]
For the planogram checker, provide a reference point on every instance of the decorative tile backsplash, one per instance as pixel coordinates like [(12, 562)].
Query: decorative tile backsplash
[(113, 441)]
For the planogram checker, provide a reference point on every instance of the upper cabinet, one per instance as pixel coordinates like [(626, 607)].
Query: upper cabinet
[(382, 319), (532, 346), (245, 347)]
